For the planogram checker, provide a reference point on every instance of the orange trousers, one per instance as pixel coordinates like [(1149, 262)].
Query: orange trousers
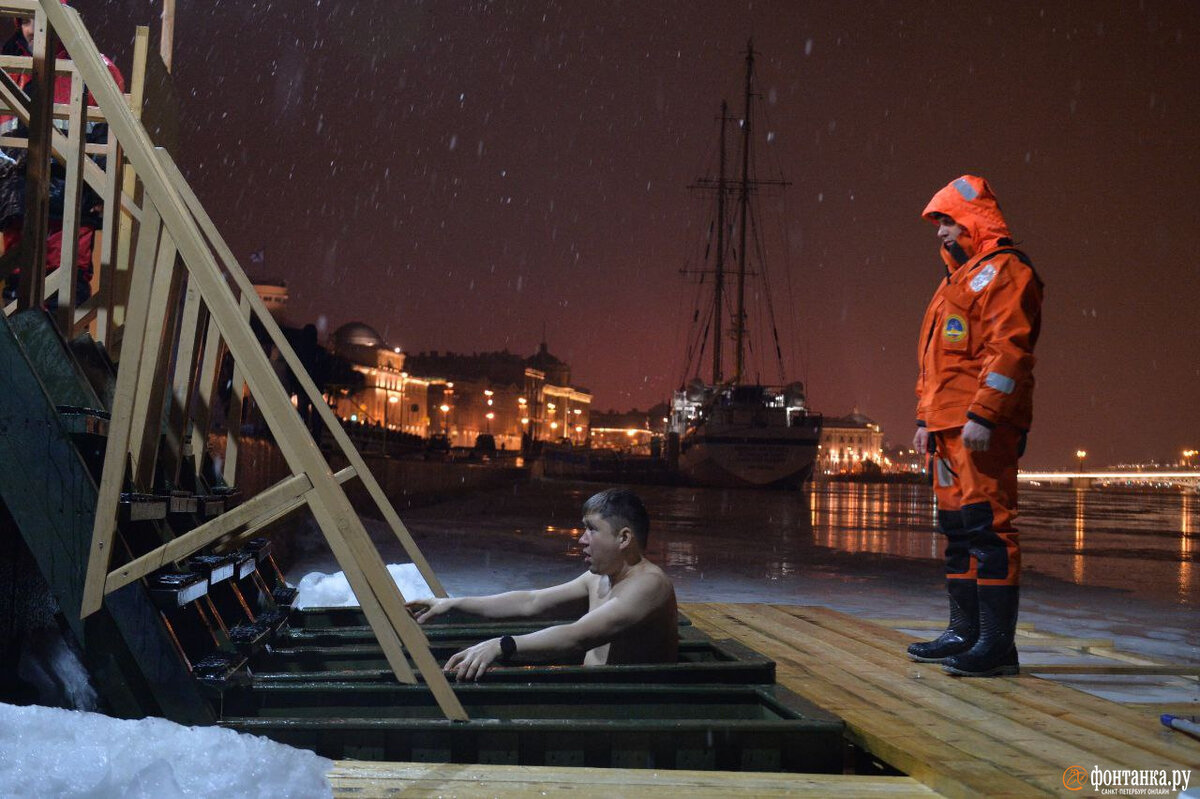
[(977, 503)]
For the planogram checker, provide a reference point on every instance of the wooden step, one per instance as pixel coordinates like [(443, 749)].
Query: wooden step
[(171, 590)]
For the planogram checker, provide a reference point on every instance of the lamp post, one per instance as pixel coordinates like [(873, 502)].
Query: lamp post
[(1080, 454), (1188, 455), (387, 420), (403, 380)]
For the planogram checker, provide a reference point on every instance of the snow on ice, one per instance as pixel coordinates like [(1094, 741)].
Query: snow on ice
[(320, 590), (50, 752)]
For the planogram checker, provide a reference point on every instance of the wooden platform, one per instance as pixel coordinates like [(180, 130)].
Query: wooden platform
[(378, 780), (1007, 737)]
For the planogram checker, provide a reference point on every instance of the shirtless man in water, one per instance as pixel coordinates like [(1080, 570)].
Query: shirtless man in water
[(631, 614)]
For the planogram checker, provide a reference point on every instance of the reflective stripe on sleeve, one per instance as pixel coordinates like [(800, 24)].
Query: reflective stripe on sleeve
[(1005, 385)]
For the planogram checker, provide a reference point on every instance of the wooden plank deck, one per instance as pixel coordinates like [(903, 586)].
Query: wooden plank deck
[(1005, 737), (960, 737), (380, 780)]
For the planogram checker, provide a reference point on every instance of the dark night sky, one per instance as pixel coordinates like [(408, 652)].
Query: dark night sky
[(459, 175)]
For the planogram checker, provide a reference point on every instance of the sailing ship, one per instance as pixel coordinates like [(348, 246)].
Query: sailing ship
[(731, 431)]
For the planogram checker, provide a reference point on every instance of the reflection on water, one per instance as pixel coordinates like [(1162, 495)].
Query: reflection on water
[(1187, 549), (1143, 543), (681, 555), (890, 520), (1077, 562)]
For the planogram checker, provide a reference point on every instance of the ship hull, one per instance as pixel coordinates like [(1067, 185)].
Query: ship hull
[(748, 458)]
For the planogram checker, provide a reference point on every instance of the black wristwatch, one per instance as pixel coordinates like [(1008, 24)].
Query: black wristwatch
[(508, 648)]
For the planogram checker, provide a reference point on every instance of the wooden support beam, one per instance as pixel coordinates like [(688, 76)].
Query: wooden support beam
[(166, 41), (233, 417), (152, 370), (114, 168), (377, 593), (266, 502), (1125, 669), (331, 422), (183, 386), (129, 185), (206, 384), (380, 598), (18, 8), (37, 170), (116, 451), (342, 476), (369, 602), (61, 111), (72, 201), (1032, 641), (21, 143), (24, 63)]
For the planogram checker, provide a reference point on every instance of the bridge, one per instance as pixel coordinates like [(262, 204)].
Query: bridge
[(1081, 479)]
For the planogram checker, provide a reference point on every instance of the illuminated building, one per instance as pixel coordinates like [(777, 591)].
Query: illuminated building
[(504, 395), (850, 444), (390, 397)]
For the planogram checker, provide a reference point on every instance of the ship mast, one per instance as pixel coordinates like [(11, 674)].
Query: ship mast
[(719, 291), (744, 206)]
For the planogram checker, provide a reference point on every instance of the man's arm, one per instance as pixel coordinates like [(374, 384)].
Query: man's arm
[(509, 605), (1011, 306), (633, 604)]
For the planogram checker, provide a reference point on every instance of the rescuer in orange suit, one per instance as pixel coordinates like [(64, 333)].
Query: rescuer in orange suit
[(975, 402)]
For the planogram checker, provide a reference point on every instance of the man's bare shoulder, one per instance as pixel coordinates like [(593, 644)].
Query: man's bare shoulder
[(649, 579)]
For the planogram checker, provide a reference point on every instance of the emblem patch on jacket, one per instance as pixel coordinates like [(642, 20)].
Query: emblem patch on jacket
[(980, 281), (955, 329)]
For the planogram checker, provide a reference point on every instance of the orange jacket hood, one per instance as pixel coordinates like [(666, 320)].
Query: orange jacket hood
[(970, 202)]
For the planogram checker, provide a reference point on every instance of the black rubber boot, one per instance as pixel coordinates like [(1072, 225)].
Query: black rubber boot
[(995, 653), (963, 630)]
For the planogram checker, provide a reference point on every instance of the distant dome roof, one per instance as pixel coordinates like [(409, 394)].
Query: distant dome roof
[(357, 334), (544, 359), (858, 417)]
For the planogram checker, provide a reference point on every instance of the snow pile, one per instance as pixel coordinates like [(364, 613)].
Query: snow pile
[(320, 590), (48, 752)]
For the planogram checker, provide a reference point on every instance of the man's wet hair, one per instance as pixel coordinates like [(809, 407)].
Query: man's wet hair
[(622, 505)]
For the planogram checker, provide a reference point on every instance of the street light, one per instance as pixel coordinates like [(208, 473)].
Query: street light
[(1080, 454), (403, 380), (387, 419), (1188, 454)]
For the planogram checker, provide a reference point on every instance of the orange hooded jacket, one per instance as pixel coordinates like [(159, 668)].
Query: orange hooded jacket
[(977, 339)]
